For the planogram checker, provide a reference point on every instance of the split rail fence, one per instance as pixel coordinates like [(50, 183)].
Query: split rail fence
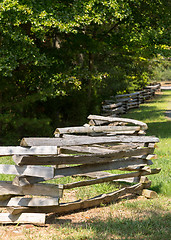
[(105, 143), (120, 104)]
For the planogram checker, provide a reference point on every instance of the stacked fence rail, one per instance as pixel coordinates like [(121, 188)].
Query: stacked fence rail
[(105, 143), (122, 103)]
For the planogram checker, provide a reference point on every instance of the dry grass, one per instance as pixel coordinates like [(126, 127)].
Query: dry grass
[(128, 219)]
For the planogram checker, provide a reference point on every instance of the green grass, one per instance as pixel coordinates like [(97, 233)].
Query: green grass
[(153, 113), (129, 219), (135, 220), (5, 177), (147, 220)]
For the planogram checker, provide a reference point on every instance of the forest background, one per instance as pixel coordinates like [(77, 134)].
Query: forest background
[(60, 59)]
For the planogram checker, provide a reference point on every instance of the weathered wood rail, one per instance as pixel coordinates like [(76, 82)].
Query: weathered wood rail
[(106, 143), (122, 103)]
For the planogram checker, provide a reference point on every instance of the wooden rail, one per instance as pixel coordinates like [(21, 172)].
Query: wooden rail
[(122, 103), (116, 145)]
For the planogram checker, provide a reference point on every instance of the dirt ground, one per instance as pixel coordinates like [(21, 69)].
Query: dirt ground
[(29, 231), (67, 225), (53, 221)]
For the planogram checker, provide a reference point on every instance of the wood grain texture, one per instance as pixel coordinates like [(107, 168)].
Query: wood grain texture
[(130, 163), (71, 140), (106, 152), (135, 94), (7, 190), (114, 110), (35, 218), (83, 204), (92, 129), (29, 202), (112, 105), (110, 178), (38, 150), (38, 171), (99, 156), (149, 193), (112, 119)]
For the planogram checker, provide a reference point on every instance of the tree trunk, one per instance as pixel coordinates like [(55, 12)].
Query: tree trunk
[(91, 60)]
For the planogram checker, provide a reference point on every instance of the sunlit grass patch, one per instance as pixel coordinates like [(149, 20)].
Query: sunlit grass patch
[(153, 113)]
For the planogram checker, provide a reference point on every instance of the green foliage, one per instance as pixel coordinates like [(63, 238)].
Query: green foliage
[(58, 50), (162, 69), (127, 219)]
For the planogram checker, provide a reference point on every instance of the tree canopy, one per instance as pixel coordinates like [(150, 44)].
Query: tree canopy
[(60, 58)]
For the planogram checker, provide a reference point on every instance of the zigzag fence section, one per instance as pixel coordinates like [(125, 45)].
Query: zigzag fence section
[(120, 104), (105, 143)]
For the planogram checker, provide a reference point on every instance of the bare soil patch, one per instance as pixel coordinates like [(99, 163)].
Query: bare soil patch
[(56, 225)]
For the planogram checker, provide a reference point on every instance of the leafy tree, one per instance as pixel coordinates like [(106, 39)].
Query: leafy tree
[(60, 58)]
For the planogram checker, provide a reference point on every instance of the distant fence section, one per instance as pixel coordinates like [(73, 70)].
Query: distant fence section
[(104, 143), (120, 104)]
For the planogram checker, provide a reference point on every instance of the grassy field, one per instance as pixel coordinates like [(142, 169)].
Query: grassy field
[(153, 113), (128, 219)]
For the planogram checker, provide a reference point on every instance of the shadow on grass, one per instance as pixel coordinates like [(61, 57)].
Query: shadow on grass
[(152, 225), (148, 111), (145, 113), (157, 188), (159, 129)]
